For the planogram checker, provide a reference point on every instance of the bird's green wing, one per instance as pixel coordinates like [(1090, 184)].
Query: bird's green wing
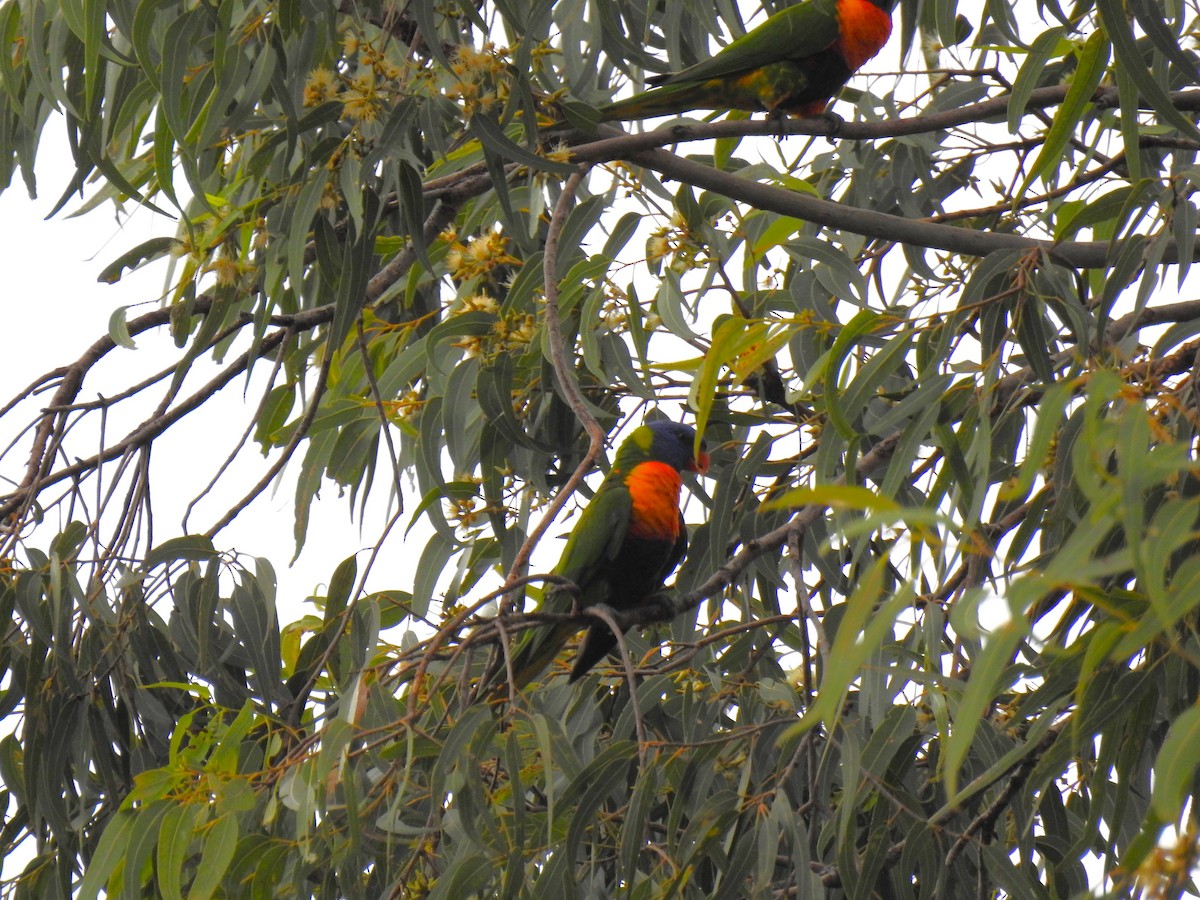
[(598, 535), (793, 33)]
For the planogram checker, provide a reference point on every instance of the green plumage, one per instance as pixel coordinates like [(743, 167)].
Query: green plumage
[(788, 64), (610, 564)]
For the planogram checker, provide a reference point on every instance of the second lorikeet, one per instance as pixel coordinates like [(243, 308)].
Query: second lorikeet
[(792, 63), (628, 539)]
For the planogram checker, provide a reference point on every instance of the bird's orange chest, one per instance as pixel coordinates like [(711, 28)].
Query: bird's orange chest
[(654, 490), (863, 29)]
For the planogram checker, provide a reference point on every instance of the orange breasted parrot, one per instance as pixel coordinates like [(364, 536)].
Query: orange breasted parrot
[(792, 63), (628, 539)]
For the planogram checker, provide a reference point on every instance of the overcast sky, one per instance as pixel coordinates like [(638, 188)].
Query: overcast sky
[(55, 308)]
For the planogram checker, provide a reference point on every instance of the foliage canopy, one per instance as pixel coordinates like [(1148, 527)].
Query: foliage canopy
[(936, 635)]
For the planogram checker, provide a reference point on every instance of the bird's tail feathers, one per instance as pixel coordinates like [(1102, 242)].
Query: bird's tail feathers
[(597, 643), (670, 99), (532, 654)]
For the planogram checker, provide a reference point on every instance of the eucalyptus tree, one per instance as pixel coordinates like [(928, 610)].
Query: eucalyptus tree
[(935, 635)]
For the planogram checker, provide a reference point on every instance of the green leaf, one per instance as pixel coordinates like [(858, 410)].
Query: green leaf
[(864, 626), (174, 843), (985, 683), (275, 411), (145, 252), (1046, 46), (468, 877), (836, 496), (146, 832), (192, 547), (219, 845), (1129, 58), (110, 854), (1093, 60), (864, 322), (492, 136), (728, 335), (1175, 766)]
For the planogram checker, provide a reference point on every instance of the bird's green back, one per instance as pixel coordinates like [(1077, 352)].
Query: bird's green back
[(598, 534), (797, 31)]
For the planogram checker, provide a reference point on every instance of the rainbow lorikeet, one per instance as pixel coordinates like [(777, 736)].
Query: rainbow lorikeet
[(792, 63), (628, 539)]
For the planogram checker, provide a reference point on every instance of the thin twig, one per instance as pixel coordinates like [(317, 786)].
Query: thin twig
[(298, 434), (385, 424), (986, 820), (605, 615), (241, 442), (567, 382)]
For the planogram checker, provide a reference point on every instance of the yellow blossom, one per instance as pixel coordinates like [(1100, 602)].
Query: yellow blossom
[(481, 256), (523, 332), (657, 246), (362, 109), (362, 101), (561, 153), (388, 69), (478, 303), (322, 85), (408, 404), (463, 510), (471, 345), (227, 270)]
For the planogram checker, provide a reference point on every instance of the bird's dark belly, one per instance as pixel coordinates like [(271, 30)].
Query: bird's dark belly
[(636, 573), (802, 87)]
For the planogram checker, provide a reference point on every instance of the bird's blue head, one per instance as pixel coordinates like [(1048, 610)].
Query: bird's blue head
[(671, 442)]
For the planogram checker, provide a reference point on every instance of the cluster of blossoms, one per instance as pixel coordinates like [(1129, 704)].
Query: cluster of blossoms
[(480, 257), (676, 243), (369, 80), (509, 334), (481, 78), (365, 93), (484, 260), (407, 404), (467, 512)]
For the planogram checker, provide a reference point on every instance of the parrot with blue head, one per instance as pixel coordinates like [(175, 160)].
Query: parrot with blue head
[(629, 538)]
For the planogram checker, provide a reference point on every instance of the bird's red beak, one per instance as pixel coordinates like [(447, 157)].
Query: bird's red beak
[(699, 465)]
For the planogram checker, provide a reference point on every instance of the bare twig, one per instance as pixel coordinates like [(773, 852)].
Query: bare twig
[(298, 434), (385, 424), (986, 820), (605, 615), (567, 382), (237, 447)]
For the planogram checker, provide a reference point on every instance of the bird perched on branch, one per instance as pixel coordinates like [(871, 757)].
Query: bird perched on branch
[(793, 63), (629, 538)]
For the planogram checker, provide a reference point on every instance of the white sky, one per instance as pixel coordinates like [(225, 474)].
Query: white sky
[(54, 308)]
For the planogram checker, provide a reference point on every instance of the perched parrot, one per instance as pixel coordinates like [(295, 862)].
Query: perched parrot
[(792, 63), (628, 539)]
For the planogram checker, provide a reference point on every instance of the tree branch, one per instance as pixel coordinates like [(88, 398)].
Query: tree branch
[(882, 226), (567, 382)]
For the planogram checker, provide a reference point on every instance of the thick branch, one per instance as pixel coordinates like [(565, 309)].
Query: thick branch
[(872, 224), (439, 220), (614, 144), (642, 148)]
